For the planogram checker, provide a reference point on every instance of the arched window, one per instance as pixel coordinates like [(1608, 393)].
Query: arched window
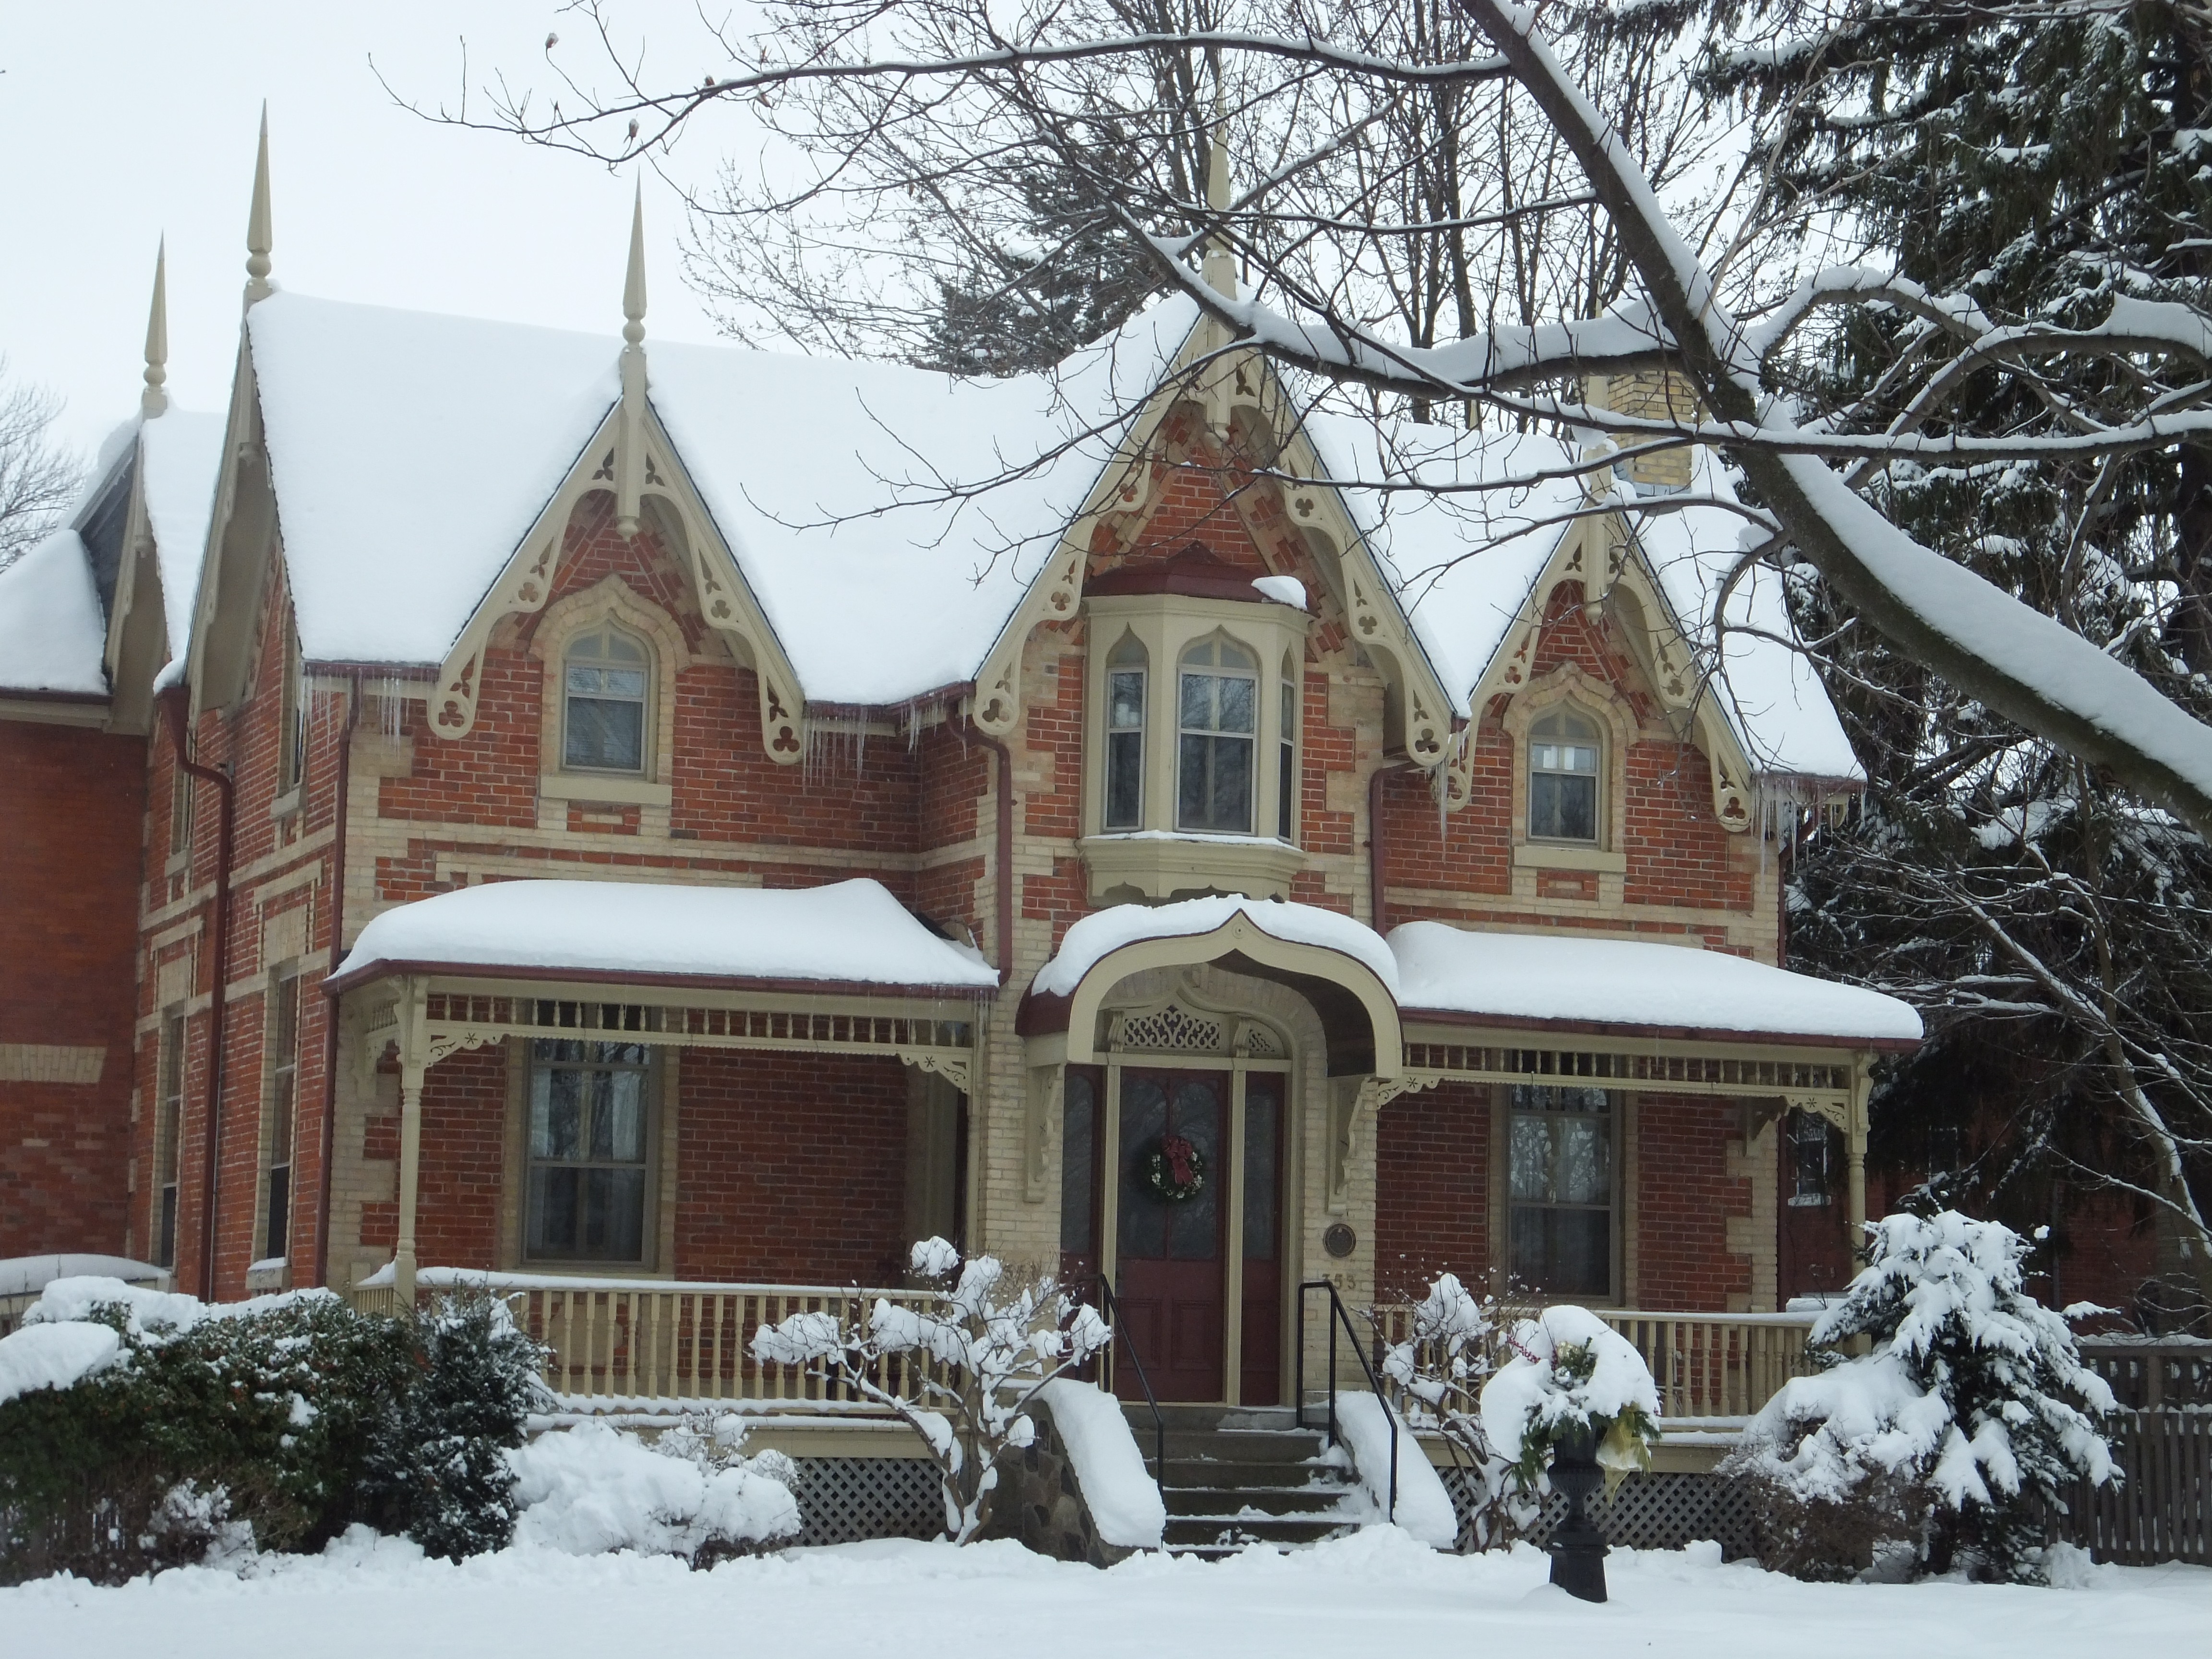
[(1125, 735), (602, 719), (1217, 707), (1286, 757), (1563, 761)]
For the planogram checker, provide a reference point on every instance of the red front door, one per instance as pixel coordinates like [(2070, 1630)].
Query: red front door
[(1170, 1269)]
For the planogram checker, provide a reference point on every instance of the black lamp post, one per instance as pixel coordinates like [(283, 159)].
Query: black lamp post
[(1578, 1548)]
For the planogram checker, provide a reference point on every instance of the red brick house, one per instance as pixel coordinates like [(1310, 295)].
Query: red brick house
[(556, 806)]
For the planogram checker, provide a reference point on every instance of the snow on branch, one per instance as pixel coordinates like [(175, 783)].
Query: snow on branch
[(973, 1362)]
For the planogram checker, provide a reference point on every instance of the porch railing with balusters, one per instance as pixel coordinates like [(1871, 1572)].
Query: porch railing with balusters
[(611, 1338), (1706, 1365)]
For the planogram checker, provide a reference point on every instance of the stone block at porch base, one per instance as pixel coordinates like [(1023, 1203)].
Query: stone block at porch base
[(1039, 1501)]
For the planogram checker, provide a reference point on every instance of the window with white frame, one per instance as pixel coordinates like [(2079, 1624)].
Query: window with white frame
[(606, 677), (1286, 757), (1125, 735), (284, 1101), (1217, 706), (590, 1141), (1563, 753), (1562, 1193)]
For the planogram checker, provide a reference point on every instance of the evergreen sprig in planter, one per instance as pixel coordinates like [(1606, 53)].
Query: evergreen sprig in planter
[(1575, 1405)]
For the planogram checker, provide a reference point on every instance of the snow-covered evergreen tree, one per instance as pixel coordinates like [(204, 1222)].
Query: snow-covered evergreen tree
[(977, 1359), (1971, 1404)]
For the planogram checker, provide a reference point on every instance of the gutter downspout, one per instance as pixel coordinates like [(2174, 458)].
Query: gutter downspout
[(1004, 871), (1378, 871), (339, 816), (172, 707)]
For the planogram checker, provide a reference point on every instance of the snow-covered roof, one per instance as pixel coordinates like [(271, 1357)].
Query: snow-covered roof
[(1431, 967), (1092, 939), (410, 453), (1510, 977), (1464, 562), (852, 931), (179, 460), (52, 636)]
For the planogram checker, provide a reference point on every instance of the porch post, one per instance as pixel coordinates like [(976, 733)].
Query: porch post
[(1855, 1142), (410, 1164), (414, 1062)]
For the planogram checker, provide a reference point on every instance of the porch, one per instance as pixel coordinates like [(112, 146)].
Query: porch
[(651, 1348)]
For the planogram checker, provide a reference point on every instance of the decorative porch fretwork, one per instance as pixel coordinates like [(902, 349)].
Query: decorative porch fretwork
[(943, 1046), (1813, 1085)]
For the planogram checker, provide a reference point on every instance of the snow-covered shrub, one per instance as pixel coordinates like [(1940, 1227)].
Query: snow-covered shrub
[(592, 1488), (1952, 1432), (1441, 1367), (189, 1423), (980, 1354), (1570, 1372), (438, 1469)]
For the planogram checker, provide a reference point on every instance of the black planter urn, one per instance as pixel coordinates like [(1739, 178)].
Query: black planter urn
[(1578, 1548)]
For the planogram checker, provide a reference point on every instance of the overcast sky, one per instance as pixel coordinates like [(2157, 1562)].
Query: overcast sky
[(124, 120)]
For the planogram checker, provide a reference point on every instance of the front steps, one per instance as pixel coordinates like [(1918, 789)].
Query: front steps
[(1245, 1478)]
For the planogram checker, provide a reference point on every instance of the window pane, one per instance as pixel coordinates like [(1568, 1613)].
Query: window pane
[(1262, 1117), (1562, 806), (275, 1240), (1239, 704), (604, 735), (1194, 1225), (555, 1113), (1198, 702), (1125, 780), (613, 1214), (623, 1105), (585, 680), (1582, 1171), (1125, 699), (1562, 1252), (1531, 1161), (552, 1226), (1079, 1173), (1214, 789)]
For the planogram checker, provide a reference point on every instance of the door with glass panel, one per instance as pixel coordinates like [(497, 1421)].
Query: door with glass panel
[(1171, 1277)]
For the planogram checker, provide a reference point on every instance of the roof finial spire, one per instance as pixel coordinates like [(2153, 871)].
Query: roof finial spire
[(630, 443), (634, 283), (154, 400), (257, 239), (1219, 269)]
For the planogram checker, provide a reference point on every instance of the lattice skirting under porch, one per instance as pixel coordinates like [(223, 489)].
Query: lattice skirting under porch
[(1650, 1511), (842, 1500)]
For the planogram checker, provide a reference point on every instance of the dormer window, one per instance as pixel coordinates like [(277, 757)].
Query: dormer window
[(604, 681), (1563, 775), (1125, 735), (1218, 727)]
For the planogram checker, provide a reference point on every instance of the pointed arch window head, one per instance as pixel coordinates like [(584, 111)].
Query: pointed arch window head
[(1287, 767), (1125, 675), (1217, 709), (605, 677), (1562, 777)]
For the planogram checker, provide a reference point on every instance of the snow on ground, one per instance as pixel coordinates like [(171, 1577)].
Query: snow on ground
[(1377, 1591)]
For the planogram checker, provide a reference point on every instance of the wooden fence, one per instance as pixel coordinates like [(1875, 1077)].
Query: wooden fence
[(2161, 1510), (653, 1340)]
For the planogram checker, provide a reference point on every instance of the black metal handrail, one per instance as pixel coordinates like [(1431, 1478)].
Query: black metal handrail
[(1338, 1316), (1113, 1309)]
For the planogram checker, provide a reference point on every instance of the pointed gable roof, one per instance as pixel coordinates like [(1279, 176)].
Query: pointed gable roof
[(410, 453), (53, 637)]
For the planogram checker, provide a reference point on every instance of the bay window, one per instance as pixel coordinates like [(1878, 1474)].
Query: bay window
[(1217, 728)]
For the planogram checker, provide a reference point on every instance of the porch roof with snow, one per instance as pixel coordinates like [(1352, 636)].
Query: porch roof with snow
[(850, 936), (1433, 973)]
